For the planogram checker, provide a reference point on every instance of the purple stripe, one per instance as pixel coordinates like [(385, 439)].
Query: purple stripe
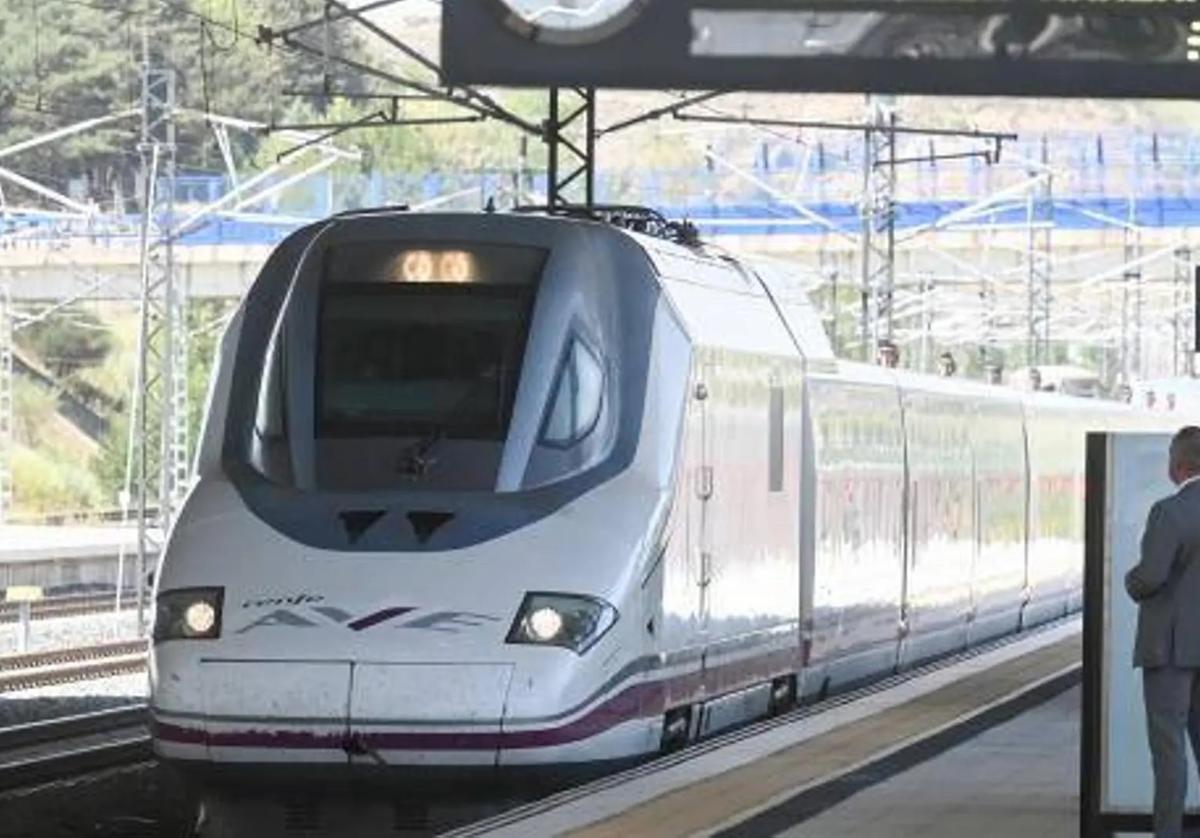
[(648, 700), (637, 701), (378, 617), (175, 733)]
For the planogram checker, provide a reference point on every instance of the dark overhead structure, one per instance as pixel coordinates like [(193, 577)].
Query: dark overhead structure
[(1103, 48)]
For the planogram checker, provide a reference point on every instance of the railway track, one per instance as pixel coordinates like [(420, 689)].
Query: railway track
[(75, 605), (61, 666), (56, 749)]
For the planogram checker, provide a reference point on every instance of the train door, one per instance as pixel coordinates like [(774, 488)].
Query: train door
[(908, 518), (941, 526), (1027, 590), (683, 630), (705, 489), (751, 566), (999, 576)]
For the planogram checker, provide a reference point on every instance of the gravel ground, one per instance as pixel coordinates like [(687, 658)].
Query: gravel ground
[(71, 699), (21, 706), (143, 801), (64, 632)]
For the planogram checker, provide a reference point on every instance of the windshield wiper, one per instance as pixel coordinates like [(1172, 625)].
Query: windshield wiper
[(416, 460)]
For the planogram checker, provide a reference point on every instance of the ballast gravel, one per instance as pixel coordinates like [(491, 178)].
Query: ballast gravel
[(23, 706)]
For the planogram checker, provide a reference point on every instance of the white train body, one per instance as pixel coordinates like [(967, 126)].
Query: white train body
[(662, 432)]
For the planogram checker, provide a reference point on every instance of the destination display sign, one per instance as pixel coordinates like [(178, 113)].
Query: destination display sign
[(1082, 48)]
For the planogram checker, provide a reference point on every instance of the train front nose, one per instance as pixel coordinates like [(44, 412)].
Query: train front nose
[(331, 678), (431, 713), (333, 674), (420, 428)]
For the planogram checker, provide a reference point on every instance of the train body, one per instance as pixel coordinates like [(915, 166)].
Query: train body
[(505, 490)]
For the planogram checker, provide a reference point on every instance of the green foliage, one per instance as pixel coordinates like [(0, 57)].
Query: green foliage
[(208, 319), (44, 485), (206, 324), (110, 463), (59, 61), (72, 60), (469, 146), (52, 464), (33, 411), (68, 340), (65, 61), (114, 375)]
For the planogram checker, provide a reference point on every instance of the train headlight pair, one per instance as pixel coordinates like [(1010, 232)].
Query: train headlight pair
[(567, 620), (188, 614)]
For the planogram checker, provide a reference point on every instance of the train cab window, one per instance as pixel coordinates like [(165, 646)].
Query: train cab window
[(269, 453), (576, 399), (419, 360), (419, 349)]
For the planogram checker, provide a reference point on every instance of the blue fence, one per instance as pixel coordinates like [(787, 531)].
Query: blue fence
[(1151, 179)]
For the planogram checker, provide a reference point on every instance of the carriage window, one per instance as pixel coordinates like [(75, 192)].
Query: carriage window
[(577, 397)]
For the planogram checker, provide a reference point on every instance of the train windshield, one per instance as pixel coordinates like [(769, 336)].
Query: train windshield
[(489, 369), (398, 366), (419, 358), (422, 340)]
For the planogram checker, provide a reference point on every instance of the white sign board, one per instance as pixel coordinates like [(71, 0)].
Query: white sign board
[(1136, 477)]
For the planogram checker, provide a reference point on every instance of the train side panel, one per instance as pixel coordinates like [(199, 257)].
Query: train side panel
[(1055, 432), (733, 585), (753, 577), (852, 609), (775, 516), (940, 524), (998, 574)]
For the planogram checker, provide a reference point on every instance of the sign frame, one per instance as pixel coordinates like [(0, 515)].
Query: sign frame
[(1094, 820), (480, 46)]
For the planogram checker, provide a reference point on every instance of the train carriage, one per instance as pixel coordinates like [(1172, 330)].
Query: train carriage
[(492, 491)]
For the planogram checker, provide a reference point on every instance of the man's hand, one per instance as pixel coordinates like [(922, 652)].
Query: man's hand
[(1160, 547), (1136, 588)]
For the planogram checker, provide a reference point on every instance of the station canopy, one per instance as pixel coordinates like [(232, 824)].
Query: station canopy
[(1102, 48)]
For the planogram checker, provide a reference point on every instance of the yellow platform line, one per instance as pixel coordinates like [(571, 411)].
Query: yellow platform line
[(740, 792)]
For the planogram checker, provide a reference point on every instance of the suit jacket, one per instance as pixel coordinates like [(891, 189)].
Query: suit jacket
[(1166, 583)]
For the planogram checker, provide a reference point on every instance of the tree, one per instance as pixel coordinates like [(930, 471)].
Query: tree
[(69, 60), (68, 340)]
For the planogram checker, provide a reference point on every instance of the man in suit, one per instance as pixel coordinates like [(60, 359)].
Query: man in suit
[(1166, 586)]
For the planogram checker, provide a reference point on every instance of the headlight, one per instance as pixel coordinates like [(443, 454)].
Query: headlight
[(573, 622), (188, 613)]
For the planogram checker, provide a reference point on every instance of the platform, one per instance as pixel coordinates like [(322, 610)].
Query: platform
[(61, 557), (990, 740), (28, 543), (1018, 778)]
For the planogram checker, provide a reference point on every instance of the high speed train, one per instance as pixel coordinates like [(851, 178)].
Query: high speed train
[(501, 490)]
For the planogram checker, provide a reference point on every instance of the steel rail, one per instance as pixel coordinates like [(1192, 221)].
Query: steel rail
[(61, 666), (75, 745), (44, 731), (73, 605)]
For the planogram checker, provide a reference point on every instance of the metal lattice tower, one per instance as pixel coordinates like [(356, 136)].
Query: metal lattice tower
[(570, 134), (928, 306), (878, 212), (988, 353), (7, 443), (1039, 203), (161, 405), (1182, 308), (1132, 300), (830, 273)]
